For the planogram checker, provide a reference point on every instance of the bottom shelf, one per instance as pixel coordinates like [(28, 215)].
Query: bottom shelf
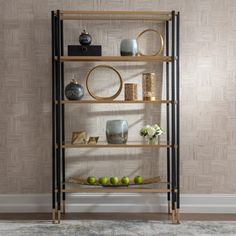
[(149, 188)]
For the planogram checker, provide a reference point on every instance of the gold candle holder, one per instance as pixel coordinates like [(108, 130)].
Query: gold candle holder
[(131, 93), (149, 86)]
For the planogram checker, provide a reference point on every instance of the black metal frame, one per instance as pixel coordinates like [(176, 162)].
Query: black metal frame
[(172, 28)]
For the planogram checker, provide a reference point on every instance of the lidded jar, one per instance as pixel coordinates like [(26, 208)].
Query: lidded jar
[(85, 38), (74, 91)]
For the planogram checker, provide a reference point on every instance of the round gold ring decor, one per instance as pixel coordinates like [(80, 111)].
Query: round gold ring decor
[(161, 46), (104, 98)]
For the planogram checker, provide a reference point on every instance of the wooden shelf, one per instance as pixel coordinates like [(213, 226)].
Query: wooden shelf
[(116, 190), (105, 145), (75, 12), (114, 101), (115, 58), (116, 15)]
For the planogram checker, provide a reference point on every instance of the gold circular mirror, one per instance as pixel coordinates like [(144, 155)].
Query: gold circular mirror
[(151, 47), (97, 76)]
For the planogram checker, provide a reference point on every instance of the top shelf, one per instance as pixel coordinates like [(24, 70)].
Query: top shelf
[(116, 15)]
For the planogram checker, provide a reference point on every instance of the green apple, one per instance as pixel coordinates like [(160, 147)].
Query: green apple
[(103, 180), (125, 180), (114, 180), (91, 180), (138, 179)]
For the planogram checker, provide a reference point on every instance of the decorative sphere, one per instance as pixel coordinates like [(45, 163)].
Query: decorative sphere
[(74, 91), (85, 38)]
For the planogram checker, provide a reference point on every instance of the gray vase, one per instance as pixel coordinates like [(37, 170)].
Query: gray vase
[(117, 131), (128, 47)]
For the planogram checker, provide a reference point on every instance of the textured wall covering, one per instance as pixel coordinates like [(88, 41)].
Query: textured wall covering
[(208, 106)]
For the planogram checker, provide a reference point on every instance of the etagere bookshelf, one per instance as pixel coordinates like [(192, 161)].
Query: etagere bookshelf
[(171, 60)]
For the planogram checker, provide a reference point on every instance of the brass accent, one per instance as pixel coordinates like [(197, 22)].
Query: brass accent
[(149, 99), (53, 216), (78, 137), (104, 98), (177, 216), (93, 140), (161, 46)]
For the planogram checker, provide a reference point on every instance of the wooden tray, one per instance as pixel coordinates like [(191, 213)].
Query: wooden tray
[(81, 181)]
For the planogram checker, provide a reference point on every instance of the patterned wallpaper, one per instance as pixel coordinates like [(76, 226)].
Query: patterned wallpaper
[(208, 98)]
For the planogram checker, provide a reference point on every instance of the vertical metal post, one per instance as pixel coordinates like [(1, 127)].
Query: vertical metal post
[(63, 119), (178, 113), (173, 133), (59, 138), (168, 115), (53, 118)]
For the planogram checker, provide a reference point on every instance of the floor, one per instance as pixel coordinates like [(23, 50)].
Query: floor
[(117, 227), (117, 216)]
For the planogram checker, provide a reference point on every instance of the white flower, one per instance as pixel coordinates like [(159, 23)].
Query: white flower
[(156, 127), (151, 132)]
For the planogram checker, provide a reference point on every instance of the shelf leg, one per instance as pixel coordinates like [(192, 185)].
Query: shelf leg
[(53, 216), (63, 207)]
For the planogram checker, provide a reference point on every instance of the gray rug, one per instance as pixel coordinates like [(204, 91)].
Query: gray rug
[(111, 228)]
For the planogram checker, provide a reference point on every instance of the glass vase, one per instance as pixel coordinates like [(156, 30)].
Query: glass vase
[(151, 141)]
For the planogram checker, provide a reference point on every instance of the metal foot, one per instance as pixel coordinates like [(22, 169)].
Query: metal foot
[(177, 216)]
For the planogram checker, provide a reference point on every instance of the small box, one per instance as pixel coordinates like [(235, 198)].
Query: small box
[(79, 50)]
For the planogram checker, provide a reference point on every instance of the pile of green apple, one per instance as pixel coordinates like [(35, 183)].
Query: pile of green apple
[(114, 180)]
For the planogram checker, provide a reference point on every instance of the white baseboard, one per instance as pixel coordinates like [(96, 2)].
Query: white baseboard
[(99, 202)]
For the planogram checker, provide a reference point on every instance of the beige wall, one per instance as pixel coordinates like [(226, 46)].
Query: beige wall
[(208, 98)]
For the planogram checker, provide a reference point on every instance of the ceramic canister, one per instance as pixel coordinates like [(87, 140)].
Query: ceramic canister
[(128, 47), (85, 38), (74, 91), (117, 131)]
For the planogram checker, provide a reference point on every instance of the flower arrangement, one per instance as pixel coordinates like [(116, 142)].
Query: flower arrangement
[(150, 132)]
